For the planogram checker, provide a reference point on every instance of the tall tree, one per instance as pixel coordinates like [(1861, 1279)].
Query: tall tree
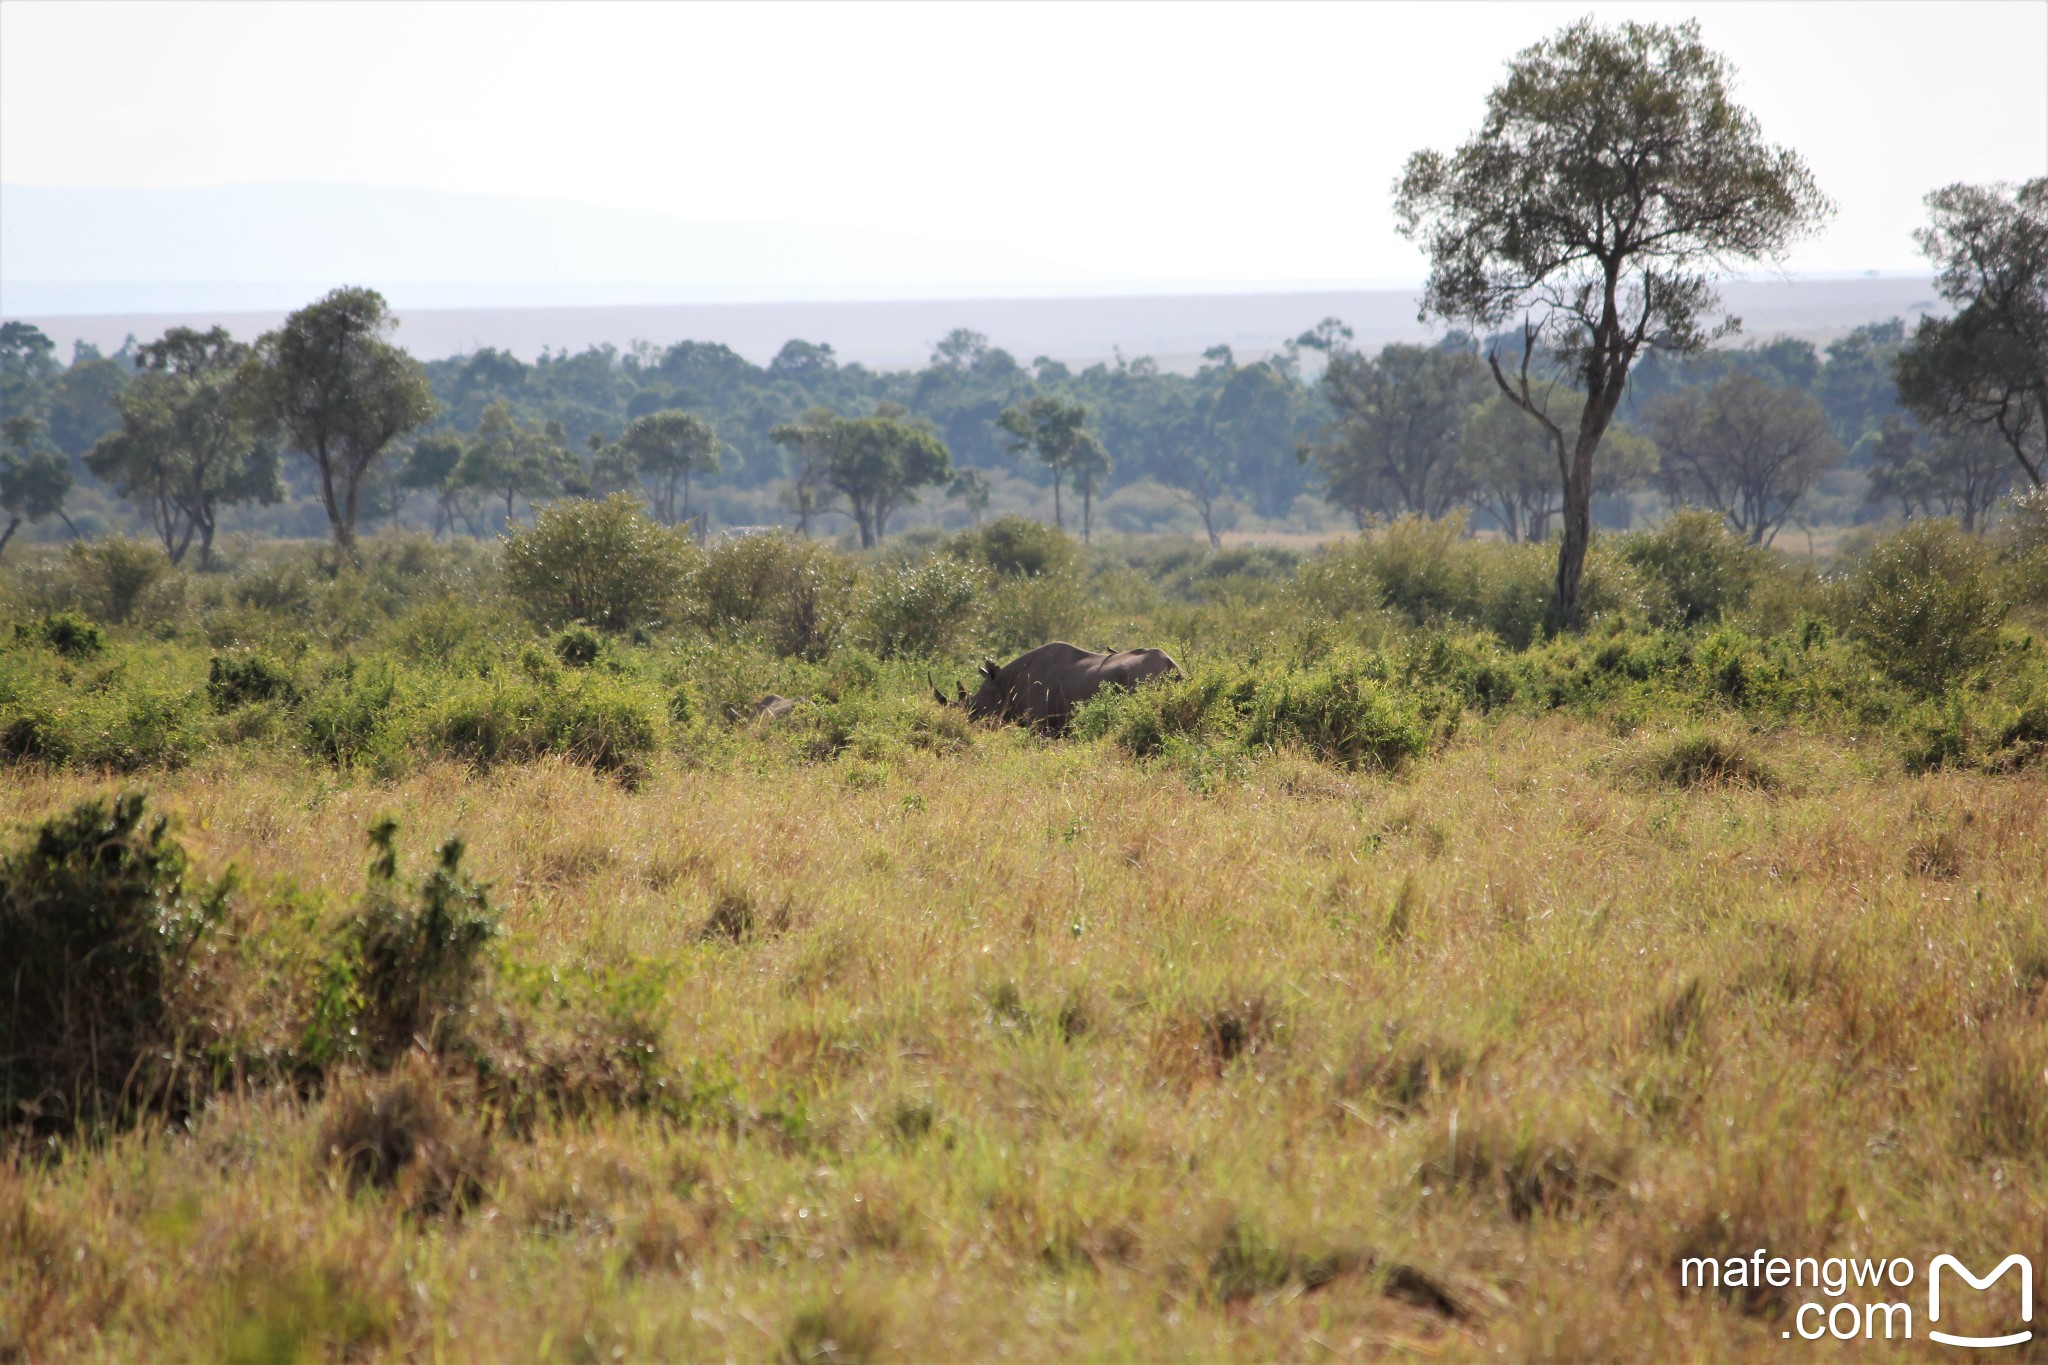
[(1396, 443), (342, 393), (1958, 473), (1987, 366), (878, 462), (1612, 174), (1090, 465), (1747, 448), (33, 481), (190, 441), (667, 447), (808, 492), (512, 459), (431, 467), (1050, 429)]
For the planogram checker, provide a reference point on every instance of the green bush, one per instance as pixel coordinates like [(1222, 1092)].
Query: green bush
[(1343, 711), (345, 717), (594, 720), (1924, 605), (236, 679), (606, 564), (1703, 569), (66, 632), (97, 925), (119, 580), (411, 961), (920, 610), (578, 646), (1025, 612), (794, 594), (1017, 547)]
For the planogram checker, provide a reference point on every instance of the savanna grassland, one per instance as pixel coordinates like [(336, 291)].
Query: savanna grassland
[(1404, 979)]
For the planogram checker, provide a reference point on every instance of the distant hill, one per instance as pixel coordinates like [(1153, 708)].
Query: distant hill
[(1175, 329)]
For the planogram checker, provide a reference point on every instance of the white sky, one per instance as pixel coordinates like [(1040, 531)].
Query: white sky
[(1196, 142)]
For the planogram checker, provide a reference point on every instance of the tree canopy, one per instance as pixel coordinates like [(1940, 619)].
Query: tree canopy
[(1612, 175), (342, 394)]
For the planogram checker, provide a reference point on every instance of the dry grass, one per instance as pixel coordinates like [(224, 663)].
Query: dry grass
[(1036, 1051)]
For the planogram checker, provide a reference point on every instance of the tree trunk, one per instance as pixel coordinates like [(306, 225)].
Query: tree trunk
[(8, 534), (1209, 525), (1578, 529), (1057, 519), (1087, 514)]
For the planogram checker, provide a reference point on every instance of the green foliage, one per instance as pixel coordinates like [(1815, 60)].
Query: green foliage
[(1347, 709), (1704, 569), (70, 634), (602, 563), (237, 679), (118, 580), (793, 594), (921, 610), (578, 646), (341, 393), (344, 717), (594, 720), (97, 926), (411, 959), (1017, 547), (1924, 605)]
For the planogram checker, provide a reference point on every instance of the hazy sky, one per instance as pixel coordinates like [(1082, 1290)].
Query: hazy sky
[(1193, 142)]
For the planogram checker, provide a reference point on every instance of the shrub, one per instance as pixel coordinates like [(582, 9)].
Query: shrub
[(66, 632), (606, 564), (236, 679), (1017, 547), (397, 1132), (1703, 569), (345, 719), (97, 924), (410, 961), (578, 646), (920, 610), (594, 720), (1342, 711), (1923, 605), (1026, 612), (1698, 758), (793, 593), (120, 579)]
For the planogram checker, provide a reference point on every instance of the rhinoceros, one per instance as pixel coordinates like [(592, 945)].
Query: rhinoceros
[(1041, 687)]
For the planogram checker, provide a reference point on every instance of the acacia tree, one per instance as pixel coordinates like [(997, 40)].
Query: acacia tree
[(33, 482), (1612, 175), (1956, 473), (1396, 444), (513, 460), (667, 447), (809, 492), (1089, 465), (880, 462), (1746, 447), (342, 393), (1987, 366), (877, 462), (1050, 429), (189, 441)]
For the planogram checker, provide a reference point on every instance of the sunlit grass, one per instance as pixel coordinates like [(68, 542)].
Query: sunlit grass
[(1029, 1048)]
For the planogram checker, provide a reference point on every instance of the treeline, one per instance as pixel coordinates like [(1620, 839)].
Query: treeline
[(167, 435)]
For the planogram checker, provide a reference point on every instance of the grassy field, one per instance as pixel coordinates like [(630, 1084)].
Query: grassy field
[(1387, 986)]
